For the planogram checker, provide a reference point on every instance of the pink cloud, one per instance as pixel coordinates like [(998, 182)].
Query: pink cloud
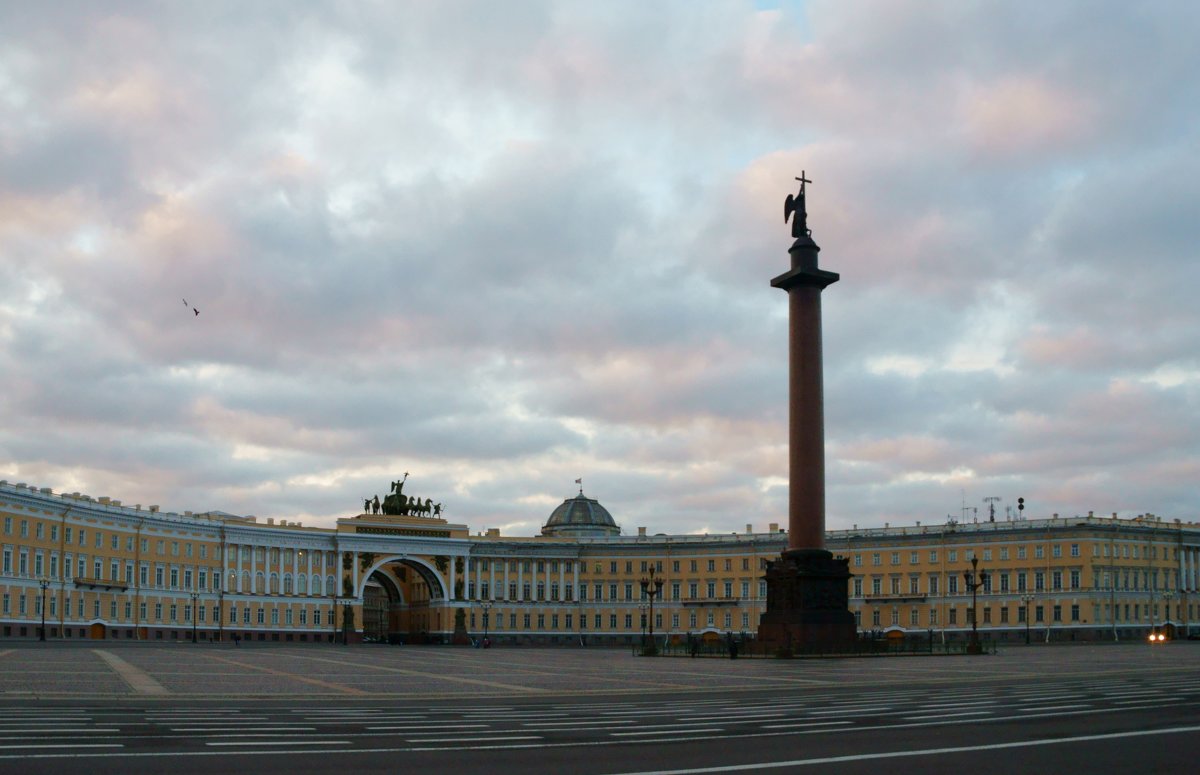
[(1020, 114)]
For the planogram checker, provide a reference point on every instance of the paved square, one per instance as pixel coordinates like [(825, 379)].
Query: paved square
[(108, 670)]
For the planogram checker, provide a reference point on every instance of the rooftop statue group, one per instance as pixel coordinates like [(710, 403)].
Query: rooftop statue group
[(399, 504)]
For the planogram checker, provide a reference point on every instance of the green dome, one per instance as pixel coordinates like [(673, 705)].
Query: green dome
[(580, 516)]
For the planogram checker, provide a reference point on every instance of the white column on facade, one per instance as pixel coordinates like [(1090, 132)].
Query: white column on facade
[(521, 581), (466, 577), (308, 581), (253, 567), (354, 571), (506, 564), (575, 583), (562, 580)]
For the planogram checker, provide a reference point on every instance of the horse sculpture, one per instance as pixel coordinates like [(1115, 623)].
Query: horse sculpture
[(399, 504)]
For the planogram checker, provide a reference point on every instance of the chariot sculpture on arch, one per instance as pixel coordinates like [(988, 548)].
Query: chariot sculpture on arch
[(398, 504)]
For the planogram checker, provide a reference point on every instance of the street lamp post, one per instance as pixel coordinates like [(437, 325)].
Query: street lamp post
[(43, 583), (1027, 599), (1166, 610), (975, 579), (486, 605), (643, 607), (333, 618), (651, 588), (195, 599)]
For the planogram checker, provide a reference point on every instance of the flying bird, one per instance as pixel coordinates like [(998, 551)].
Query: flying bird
[(189, 305)]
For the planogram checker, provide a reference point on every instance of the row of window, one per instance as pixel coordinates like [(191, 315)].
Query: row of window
[(122, 611), (530, 591), (625, 622), (1122, 551), (919, 617), (79, 536), (1129, 580)]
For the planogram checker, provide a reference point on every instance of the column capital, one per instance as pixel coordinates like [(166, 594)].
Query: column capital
[(805, 276)]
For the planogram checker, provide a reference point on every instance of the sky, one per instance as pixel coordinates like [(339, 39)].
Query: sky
[(505, 246)]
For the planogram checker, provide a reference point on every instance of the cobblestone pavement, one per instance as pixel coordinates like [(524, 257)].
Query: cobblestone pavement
[(183, 670)]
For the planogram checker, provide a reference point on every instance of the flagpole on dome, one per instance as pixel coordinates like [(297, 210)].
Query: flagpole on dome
[(580, 483)]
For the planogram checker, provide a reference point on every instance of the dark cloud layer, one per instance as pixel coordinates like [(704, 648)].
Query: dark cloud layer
[(503, 247)]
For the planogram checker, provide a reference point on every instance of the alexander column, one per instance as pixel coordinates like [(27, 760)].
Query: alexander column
[(807, 601)]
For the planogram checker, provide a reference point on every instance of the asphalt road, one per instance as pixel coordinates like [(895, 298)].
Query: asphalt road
[(1079, 709)]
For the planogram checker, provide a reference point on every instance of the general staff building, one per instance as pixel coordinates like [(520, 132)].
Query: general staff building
[(94, 568)]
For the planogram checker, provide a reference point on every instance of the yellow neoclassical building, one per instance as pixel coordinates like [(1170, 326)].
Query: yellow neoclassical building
[(97, 568)]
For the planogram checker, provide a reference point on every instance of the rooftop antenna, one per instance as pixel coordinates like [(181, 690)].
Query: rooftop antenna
[(991, 501)]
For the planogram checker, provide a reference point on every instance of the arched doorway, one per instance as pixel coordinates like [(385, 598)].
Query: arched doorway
[(404, 599), (382, 601)]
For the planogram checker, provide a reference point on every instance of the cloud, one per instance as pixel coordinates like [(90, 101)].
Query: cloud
[(503, 248)]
